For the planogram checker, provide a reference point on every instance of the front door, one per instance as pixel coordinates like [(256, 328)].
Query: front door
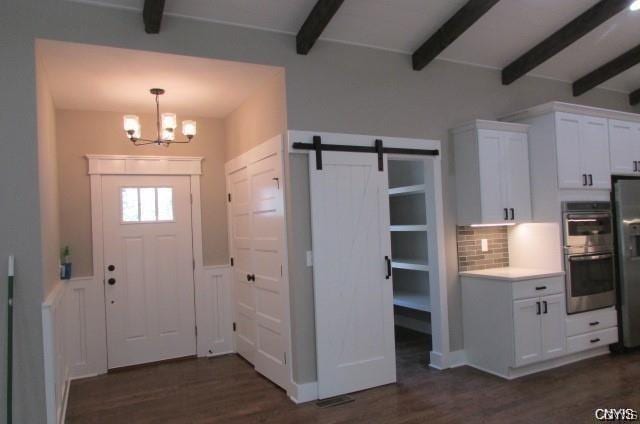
[(148, 259), (352, 286)]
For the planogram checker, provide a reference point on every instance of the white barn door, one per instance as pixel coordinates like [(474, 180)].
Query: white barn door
[(353, 296)]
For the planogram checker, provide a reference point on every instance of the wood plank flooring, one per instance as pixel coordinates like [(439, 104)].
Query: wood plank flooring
[(227, 390)]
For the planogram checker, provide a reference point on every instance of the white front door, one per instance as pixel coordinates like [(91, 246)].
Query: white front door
[(353, 297), (148, 259)]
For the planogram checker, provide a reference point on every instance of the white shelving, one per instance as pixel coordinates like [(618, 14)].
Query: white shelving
[(397, 228), (410, 264), (406, 190), (418, 301)]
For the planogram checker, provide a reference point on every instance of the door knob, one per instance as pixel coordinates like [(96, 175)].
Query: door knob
[(111, 281), (111, 268)]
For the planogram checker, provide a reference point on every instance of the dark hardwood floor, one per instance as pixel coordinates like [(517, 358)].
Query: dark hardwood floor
[(227, 390)]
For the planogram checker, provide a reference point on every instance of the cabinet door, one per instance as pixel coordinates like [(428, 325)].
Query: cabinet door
[(568, 146), (491, 180), (624, 146), (516, 175), (594, 152), (553, 326), (527, 328)]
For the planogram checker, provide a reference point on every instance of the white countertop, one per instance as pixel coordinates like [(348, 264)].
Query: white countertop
[(512, 273)]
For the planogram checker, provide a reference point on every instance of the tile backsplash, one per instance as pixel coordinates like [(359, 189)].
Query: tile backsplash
[(470, 255)]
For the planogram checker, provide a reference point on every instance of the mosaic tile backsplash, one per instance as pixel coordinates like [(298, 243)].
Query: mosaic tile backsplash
[(470, 255)]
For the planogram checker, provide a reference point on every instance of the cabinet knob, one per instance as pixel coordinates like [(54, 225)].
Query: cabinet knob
[(111, 281), (111, 268)]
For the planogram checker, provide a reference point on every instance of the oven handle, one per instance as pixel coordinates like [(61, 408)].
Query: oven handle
[(590, 257), (571, 216)]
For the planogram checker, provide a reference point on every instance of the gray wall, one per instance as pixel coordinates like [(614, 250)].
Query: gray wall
[(334, 88)]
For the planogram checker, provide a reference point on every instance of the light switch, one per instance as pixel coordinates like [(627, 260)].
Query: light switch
[(484, 245)]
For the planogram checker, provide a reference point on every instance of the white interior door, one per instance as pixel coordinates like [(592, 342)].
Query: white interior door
[(148, 257), (353, 299)]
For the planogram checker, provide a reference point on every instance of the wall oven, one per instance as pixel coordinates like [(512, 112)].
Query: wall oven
[(588, 256)]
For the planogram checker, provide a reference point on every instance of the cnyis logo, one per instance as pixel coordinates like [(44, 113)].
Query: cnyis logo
[(620, 414)]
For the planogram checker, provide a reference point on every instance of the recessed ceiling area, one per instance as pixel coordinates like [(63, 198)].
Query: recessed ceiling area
[(87, 77), (508, 30)]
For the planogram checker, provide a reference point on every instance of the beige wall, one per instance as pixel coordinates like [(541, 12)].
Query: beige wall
[(48, 180), (261, 117), (81, 133)]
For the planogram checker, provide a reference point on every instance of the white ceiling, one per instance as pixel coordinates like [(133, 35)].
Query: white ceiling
[(85, 77), (509, 29)]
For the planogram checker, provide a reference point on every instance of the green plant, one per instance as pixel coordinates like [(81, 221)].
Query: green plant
[(65, 252)]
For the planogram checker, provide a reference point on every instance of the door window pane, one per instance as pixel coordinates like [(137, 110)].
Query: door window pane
[(130, 205), (147, 204), (165, 204)]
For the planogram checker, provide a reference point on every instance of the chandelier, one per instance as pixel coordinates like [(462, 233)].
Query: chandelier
[(166, 124)]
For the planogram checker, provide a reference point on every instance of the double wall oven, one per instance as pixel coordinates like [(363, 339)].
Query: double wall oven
[(588, 255)]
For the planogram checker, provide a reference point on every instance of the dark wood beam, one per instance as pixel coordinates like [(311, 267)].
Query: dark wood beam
[(450, 31), (607, 71), (564, 37), (634, 98), (152, 15), (316, 22)]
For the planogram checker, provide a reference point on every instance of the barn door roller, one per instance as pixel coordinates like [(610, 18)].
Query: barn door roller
[(378, 148)]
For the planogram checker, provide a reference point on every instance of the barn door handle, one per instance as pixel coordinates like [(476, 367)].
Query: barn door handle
[(388, 261)]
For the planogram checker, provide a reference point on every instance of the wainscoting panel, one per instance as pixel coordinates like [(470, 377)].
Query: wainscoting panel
[(213, 312)]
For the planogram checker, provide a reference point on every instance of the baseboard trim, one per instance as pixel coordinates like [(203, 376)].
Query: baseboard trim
[(305, 392), (457, 358), (65, 401)]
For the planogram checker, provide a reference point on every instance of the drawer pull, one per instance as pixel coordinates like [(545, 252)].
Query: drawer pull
[(541, 288), (594, 323), (596, 340)]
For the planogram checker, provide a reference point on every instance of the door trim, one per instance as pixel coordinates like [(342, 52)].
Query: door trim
[(100, 165)]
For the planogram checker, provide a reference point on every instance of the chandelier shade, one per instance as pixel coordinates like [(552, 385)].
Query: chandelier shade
[(166, 124)]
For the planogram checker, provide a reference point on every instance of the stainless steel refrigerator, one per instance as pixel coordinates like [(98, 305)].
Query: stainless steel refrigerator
[(627, 207)]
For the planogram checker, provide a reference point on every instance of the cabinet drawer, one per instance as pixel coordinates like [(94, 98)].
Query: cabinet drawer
[(538, 287), (591, 321), (591, 340)]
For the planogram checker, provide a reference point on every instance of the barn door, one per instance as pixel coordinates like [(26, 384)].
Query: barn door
[(352, 285)]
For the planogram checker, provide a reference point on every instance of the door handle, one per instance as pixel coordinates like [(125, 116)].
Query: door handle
[(590, 179), (506, 214), (537, 308), (546, 306), (584, 179), (111, 281), (388, 261), (513, 213)]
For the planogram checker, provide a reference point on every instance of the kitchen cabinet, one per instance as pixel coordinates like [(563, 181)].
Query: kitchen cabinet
[(492, 173), (624, 147), (583, 151)]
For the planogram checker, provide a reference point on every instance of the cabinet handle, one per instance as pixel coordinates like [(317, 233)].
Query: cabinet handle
[(541, 288), (513, 214), (546, 306), (594, 323), (635, 166), (590, 179), (596, 340), (584, 179), (506, 214), (388, 260), (537, 308)]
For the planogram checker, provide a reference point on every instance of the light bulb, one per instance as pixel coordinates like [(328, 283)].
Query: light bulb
[(169, 121), (132, 125), (168, 134), (189, 128)]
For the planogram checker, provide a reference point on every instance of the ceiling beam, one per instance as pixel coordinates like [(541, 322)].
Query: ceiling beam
[(634, 98), (562, 38), (607, 71), (316, 22), (152, 15), (450, 31)]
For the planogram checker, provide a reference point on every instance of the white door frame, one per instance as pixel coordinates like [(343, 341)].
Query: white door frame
[(100, 165), (270, 146), (440, 356)]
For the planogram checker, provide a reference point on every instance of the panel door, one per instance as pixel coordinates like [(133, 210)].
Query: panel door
[(267, 255), (528, 339), (353, 299), (594, 152), (570, 173), (516, 175), (624, 147), (492, 183), (148, 257), (554, 341), (243, 291)]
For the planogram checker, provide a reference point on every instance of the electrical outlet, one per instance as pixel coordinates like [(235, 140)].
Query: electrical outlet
[(484, 245)]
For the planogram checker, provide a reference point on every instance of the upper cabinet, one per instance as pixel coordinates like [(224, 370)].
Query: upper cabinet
[(583, 152), (492, 173), (624, 147)]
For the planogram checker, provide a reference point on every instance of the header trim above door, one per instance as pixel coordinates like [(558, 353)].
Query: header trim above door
[(144, 165)]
